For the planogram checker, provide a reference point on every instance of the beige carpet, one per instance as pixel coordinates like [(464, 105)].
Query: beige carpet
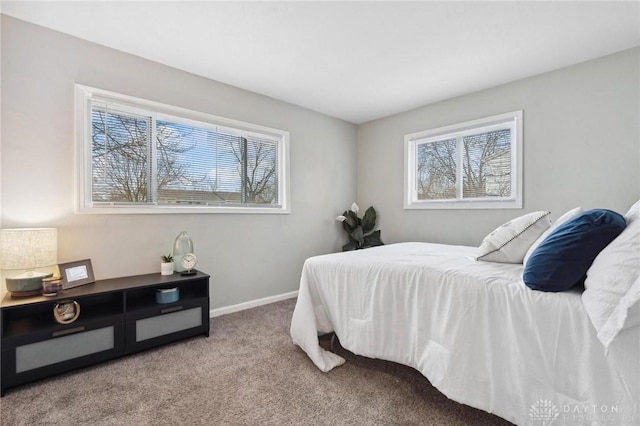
[(246, 373)]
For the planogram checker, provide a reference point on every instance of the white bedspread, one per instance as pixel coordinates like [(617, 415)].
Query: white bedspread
[(472, 328)]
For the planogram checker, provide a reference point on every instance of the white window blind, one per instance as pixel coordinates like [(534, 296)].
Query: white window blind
[(145, 158), (121, 156)]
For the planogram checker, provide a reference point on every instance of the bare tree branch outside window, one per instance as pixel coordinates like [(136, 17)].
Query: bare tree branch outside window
[(259, 173), (485, 160), (192, 165)]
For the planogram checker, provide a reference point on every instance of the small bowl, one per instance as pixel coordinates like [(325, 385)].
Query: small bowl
[(167, 295)]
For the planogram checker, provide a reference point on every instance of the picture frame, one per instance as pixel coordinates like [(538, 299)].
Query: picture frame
[(76, 273)]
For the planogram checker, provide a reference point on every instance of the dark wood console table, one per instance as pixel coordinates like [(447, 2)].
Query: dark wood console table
[(118, 316)]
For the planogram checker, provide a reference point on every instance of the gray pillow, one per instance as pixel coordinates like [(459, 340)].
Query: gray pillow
[(509, 242)]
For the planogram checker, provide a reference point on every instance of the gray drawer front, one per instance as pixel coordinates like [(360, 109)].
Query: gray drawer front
[(148, 328), (48, 352)]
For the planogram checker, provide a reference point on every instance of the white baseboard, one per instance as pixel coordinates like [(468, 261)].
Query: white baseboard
[(251, 304)]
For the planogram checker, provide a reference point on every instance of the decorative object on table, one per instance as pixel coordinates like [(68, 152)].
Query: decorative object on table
[(66, 312), (167, 295), (76, 273), (166, 267), (188, 262), (181, 246), (52, 286), (360, 231), (24, 250)]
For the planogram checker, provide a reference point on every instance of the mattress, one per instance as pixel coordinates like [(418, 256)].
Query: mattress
[(473, 329)]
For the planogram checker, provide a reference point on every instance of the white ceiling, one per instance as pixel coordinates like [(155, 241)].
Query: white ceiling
[(358, 61)]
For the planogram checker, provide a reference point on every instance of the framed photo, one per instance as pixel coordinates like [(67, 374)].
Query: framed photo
[(76, 273)]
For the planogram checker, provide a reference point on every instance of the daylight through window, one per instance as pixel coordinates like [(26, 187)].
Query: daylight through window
[(139, 156), (476, 164)]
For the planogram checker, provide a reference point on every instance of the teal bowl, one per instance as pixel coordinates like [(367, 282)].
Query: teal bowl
[(167, 295)]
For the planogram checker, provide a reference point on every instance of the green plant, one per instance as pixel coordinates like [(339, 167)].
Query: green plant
[(168, 258), (360, 230)]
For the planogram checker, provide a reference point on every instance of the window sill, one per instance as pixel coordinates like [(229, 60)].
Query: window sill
[(453, 205), (182, 210)]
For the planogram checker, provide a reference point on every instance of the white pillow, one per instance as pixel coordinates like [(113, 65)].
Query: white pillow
[(509, 242), (633, 213), (612, 296), (562, 219)]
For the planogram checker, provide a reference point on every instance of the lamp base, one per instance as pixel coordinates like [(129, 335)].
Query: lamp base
[(26, 286)]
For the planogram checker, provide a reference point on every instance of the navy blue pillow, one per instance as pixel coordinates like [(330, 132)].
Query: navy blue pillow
[(562, 259)]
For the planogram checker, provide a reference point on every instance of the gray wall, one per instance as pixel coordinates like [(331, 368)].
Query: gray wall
[(248, 256), (581, 148), (581, 141)]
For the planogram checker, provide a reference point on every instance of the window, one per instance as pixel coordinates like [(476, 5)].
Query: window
[(472, 165), (138, 156)]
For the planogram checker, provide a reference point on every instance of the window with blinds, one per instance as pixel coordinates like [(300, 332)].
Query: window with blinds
[(477, 164), (140, 156)]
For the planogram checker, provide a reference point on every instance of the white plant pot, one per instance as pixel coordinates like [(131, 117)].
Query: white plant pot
[(166, 268)]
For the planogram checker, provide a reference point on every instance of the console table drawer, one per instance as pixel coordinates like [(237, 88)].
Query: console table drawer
[(149, 328), (75, 347), (49, 352), (162, 324)]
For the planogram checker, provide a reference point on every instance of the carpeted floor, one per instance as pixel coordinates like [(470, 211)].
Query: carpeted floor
[(246, 373)]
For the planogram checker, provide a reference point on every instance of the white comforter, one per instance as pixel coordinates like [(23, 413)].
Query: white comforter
[(472, 328)]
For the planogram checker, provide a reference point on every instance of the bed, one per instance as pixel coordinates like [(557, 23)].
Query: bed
[(476, 332)]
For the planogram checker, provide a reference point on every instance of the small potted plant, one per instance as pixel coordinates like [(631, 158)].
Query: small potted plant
[(166, 267)]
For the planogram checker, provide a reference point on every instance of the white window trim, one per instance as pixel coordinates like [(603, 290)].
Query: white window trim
[(411, 141), (84, 204)]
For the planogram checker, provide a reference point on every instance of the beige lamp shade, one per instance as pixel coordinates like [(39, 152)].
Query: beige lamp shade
[(28, 248)]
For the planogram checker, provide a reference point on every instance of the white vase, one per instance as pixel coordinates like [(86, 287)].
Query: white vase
[(166, 268)]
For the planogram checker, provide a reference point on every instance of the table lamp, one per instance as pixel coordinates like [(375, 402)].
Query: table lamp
[(24, 250)]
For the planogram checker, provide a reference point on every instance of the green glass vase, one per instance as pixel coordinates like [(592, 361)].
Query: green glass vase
[(181, 246)]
